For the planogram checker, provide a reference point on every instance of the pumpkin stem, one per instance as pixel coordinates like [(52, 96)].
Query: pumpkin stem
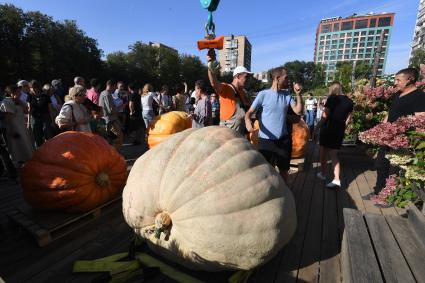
[(162, 224), (102, 179)]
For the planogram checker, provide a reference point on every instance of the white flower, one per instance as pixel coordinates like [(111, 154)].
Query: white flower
[(399, 159)]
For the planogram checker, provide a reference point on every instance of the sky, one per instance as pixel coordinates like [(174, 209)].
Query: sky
[(278, 30)]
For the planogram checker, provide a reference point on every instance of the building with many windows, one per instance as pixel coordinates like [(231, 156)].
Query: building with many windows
[(262, 76), (355, 38), (236, 52), (160, 45), (419, 34)]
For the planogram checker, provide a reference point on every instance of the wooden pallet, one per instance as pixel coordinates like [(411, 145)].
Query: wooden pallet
[(47, 226), (297, 164)]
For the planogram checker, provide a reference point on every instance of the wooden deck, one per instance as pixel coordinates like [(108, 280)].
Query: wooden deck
[(313, 255)]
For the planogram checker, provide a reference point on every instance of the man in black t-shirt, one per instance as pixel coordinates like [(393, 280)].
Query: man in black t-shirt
[(407, 101), (137, 128)]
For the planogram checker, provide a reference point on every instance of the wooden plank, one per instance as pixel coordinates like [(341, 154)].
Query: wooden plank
[(288, 268), (417, 222), (363, 264), (330, 270), (364, 190), (62, 269), (410, 245), (118, 242), (345, 261), (399, 211), (353, 189), (371, 180), (394, 267), (43, 258), (268, 272), (309, 265), (45, 227)]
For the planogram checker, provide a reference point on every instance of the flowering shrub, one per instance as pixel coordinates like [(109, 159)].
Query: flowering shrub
[(390, 187), (394, 134), (406, 138), (370, 106)]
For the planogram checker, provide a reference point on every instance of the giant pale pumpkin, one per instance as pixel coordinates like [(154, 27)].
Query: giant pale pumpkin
[(73, 172), (300, 136), (206, 199), (167, 124)]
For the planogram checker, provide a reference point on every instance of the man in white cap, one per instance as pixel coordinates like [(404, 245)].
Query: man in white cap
[(25, 92), (233, 97)]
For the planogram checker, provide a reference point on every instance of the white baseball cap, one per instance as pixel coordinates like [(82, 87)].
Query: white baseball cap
[(22, 83), (240, 70)]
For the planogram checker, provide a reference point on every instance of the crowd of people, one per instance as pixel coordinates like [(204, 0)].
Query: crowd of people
[(32, 113)]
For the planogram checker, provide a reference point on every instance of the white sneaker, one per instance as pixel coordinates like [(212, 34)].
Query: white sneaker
[(321, 176), (334, 184)]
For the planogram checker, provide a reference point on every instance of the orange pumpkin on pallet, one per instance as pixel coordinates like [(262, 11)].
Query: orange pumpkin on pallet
[(73, 172), (163, 126), (300, 135)]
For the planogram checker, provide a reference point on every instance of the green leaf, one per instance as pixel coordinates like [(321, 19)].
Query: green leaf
[(421, 145)]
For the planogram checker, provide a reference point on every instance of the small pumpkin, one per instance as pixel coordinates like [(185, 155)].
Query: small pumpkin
[(206, 199), (73, 172), (167, 124), (300, 136)]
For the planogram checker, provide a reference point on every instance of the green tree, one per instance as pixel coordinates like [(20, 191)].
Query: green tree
[(192, 69), (344, 71), (309, 74), (34, 46), (418, 57)]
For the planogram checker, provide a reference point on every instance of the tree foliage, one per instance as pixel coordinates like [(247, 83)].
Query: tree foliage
[(310, 75), (344, 71), (33, 45), (418, 57), (158, 66)]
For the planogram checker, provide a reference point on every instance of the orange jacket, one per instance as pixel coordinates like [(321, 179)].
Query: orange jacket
[(228, 101)]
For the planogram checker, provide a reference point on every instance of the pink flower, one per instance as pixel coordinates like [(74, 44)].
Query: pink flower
[(390, 187), (394, 134)]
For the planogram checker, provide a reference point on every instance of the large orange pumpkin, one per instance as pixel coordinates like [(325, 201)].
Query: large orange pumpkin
[(300, 135), (167, 124), (73, 172)]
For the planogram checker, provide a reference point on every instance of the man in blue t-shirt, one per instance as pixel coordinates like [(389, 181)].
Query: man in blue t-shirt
[(274, 140)]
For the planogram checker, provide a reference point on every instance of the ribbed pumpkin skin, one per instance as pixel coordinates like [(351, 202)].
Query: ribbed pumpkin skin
[(167, 124), (64, 173), (300, 135), (228, 207)]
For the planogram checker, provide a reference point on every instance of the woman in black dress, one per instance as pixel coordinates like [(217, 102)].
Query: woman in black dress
[(335, 117)]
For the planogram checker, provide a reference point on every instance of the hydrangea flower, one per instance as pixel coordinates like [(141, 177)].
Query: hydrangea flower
[(390, 187)]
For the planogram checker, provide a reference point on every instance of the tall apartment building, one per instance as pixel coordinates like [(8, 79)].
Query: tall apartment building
[(262, 76), (419, 34), (355, 38), (160, 45), (236, 52)]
